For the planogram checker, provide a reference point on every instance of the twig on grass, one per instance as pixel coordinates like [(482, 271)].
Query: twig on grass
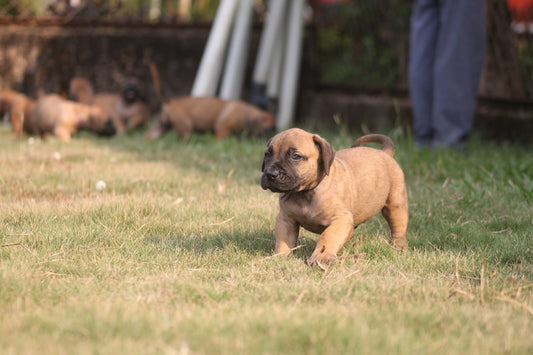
[(299, 298), (502, 231), (457, 269), (221, 223), (9, 245), (141, 227), (525, 307), (17, 244), (28, 250), (221, 188), (456, 291), (482, 285)]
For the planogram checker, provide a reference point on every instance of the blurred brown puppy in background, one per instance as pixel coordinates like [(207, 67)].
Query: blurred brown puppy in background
[(210, 114), (7, 97), (188, 114), (19, 108), (127, 109), (63, 118)]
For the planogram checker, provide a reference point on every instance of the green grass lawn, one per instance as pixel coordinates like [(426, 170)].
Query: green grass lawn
[(174, 255)]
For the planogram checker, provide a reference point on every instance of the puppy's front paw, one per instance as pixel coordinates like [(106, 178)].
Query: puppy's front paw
[(322, 260)]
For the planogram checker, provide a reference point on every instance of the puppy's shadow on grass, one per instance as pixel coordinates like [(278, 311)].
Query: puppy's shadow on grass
[(258, 243)]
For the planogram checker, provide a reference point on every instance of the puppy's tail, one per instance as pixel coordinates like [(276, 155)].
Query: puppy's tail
[(386, 143), (157, 82)]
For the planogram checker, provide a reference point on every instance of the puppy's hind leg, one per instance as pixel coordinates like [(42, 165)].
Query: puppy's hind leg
[(397, 215), (183, 130), (119, 124), (17, 118), (228, 123), (181, 123), (63, 133)]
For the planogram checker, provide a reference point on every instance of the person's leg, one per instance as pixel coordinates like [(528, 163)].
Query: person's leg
[(457, 71), (423, 41)]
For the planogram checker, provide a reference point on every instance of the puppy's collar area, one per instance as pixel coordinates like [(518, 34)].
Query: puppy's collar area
[(287, 195), (317, 183), (304, 194)]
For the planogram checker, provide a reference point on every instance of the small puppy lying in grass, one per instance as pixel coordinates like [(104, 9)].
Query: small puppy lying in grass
[(330, 193), (19, 107), (63, 118), (127, 109), (186, 115)]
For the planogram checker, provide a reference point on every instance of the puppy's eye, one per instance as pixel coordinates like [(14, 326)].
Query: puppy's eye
[(296, 156), (268, 153)]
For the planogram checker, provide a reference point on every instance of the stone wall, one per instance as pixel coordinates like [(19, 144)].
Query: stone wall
[(49, 57)]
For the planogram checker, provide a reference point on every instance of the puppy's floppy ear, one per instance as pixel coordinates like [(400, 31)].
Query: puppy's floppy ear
[(327, 154), (264, 160)]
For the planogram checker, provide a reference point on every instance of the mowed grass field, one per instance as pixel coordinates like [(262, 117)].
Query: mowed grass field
[(174, 254)]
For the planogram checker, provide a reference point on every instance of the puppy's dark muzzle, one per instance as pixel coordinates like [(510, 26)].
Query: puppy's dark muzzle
[(269, 179), (109, 129), (271, 174), (130, 96)]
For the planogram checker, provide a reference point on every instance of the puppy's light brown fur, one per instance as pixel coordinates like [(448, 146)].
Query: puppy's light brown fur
[(127, 116), (63, 118), (331, 193), (20, 109), (81, 90), (210, 114), (7, 97)]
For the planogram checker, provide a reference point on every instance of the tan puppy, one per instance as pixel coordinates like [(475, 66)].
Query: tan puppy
[(20, 108), (127, 110), (21, 116), (331, 193), (81, 90), (210, 114), (7, 97), (63, 118)]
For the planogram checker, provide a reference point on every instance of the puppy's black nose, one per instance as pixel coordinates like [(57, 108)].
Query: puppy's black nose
[(109, 129), (271, 174)]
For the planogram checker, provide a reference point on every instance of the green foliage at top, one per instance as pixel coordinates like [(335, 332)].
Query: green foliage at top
[(362, 43)]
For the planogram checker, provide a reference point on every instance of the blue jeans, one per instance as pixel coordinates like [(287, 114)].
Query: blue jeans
[(447, 53)]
